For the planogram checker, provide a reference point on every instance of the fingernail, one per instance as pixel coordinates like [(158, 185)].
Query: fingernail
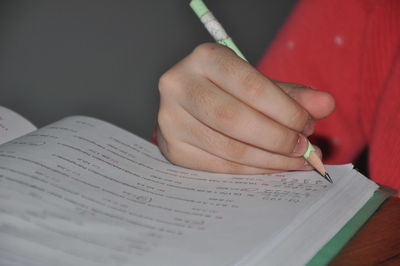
[(301, 146), (309, 128)]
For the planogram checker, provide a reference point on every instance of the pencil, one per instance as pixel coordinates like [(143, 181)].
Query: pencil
[(219, 34)]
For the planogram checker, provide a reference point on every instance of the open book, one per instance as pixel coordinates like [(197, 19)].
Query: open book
[(81, 191)]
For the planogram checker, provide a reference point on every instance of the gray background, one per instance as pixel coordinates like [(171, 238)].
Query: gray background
[(103, 58)]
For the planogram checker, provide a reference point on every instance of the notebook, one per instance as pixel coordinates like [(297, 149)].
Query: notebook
[(81, 191)]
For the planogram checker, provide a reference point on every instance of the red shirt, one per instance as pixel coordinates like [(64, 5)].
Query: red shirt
[(350, 48)]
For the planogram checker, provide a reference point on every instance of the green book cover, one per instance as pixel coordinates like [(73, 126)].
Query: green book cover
[(332, 248)]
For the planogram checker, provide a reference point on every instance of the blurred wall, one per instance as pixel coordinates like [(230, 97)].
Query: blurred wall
[(103, 58)]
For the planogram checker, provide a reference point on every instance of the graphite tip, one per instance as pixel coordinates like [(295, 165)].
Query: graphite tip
[(327, 177)]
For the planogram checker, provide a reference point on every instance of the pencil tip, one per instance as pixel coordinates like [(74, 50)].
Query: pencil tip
[(328, 177)]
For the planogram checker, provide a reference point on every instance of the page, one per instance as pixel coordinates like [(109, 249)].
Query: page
[(12, 125), (313, 228), (83, 192)]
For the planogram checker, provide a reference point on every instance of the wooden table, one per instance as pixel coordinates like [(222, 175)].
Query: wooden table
[(378, 242)]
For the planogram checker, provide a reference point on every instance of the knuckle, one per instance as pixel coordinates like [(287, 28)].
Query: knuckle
[(254, 84), (226, 116), (285, 142), (235, 150), (225, 112), (164, 119), (206, 50), (168, 82), (164, 82), (226, 65), (298, 119), (219, 56), (199, 95)]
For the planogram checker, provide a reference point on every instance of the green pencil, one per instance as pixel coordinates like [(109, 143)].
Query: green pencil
[(213, 26)]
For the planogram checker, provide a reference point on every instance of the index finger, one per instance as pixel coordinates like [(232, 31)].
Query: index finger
[(238, 78)]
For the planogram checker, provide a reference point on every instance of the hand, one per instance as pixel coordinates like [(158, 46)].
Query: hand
[(218, 113)]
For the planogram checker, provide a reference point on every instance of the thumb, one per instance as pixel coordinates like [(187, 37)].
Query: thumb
[(319, 104)]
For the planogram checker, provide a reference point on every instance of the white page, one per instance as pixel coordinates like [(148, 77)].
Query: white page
[(12, 125), (298, 244), (81, 190), (332, 216)]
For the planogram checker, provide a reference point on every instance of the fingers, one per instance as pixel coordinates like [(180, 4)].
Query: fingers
[(192, 157), (205, 138), (231, 117), (238, 78)]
